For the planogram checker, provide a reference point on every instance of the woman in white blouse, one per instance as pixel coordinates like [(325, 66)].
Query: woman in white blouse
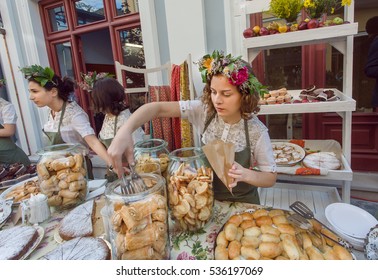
[(9, 151), (67, 122), (227, 112)]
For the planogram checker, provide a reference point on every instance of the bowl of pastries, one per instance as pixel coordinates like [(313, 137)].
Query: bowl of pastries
[(267, 234)]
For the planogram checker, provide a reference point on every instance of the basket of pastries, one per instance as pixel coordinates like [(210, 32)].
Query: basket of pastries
[(267, 234)]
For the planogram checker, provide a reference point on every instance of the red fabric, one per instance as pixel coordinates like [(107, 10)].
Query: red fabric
[(162, 128), (175, 96)]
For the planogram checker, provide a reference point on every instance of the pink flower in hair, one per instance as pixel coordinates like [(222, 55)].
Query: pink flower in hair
[(239, 77)]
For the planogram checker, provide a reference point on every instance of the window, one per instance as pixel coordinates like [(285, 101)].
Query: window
[(124, 7), (89, 11), (58, 20)]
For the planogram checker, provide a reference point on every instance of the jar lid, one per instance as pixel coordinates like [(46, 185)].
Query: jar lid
[(151, 144), (113, 190)]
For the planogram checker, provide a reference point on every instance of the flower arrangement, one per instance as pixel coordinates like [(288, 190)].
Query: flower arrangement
[(90, 78), (232, 67), (39, 74), (286, 9), (315, 8)]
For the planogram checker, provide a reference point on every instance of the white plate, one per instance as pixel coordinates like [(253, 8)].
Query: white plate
[(5, 210), (95, 184), (41, 233), (349, 219), (3, 195), (296, 147)]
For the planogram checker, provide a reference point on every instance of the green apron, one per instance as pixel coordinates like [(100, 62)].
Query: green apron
[(110, 175), (55, 138), (10, 152), (243, 192)]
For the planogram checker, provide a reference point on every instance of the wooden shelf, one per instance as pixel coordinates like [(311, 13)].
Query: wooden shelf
[(302, 37), (345, 104)]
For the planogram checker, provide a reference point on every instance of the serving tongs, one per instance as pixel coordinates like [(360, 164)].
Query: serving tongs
[(132, 184), (304, 212)]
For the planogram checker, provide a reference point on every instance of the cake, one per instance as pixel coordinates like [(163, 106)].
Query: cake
[(80, 248), (78, 222), (326, 160), (16, 241)]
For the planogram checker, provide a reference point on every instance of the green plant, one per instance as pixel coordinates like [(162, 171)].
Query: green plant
[(90, 78), (286, 9), (315, 8), (2, 82), (39, 74)]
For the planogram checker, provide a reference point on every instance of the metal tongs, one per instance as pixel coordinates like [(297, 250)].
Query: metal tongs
[(304, 212), (132, 184)]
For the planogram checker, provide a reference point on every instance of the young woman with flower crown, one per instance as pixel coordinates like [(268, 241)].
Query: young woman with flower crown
[(229, 102), (67, 122)]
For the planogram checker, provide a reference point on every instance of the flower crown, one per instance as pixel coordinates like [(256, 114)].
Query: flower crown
[(234, 68), (39, 74), (90, 78)]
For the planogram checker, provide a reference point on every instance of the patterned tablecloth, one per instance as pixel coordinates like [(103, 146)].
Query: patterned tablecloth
[(184, 245)]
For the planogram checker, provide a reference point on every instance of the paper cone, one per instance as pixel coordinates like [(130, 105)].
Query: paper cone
[(221, 156)]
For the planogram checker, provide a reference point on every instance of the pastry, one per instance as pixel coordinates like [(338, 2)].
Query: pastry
[(78, 222), (326, 160), (16, 241), (80, 248)]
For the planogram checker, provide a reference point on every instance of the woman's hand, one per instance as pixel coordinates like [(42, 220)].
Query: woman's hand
[(238, 173), (121, 145)]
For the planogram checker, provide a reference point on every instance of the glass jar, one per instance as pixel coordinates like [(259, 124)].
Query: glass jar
[(151, 151), (138, 221), (190, 188), (62, 174)]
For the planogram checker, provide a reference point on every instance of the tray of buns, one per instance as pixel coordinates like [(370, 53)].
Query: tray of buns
[(267, 234)]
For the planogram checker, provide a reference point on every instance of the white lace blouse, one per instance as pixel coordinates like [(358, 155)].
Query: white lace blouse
[(7, 112), (261, 148), (107, 129), (75, 125)]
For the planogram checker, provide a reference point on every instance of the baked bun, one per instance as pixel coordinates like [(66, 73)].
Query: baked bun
[(326, 160), (270, 236)]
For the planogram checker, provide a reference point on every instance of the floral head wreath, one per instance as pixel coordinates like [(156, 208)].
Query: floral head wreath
[(90, 78), (234, 68), (39, 74)]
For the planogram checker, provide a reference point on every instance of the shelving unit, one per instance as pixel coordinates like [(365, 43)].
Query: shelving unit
[(340, 37)]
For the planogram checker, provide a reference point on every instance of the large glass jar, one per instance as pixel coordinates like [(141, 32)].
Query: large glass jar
[(138, 221), (190, 188), (151, 151), (62, 174)]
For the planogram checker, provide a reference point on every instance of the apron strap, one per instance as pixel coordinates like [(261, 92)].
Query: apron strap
[(115, 126), (61, 116), (208, 121)]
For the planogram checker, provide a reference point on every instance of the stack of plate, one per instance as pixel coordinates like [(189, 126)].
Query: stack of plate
[(350, 222)]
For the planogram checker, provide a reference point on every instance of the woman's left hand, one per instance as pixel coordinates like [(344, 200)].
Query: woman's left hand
[(238, 173)]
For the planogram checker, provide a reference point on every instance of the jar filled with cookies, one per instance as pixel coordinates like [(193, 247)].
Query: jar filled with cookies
[(149, 152), (138, 221), (62, 175), (190, 189)]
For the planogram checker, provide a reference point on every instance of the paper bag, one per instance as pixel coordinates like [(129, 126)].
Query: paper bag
[(221, 156)]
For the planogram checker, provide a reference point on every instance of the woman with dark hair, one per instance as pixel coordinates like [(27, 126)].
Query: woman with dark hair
[(227, 112), (371, 67), (67, 122), (108, 97)]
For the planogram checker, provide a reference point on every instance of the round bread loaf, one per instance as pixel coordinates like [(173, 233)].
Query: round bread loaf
[(80, 248), (16, 241), (326, 160)]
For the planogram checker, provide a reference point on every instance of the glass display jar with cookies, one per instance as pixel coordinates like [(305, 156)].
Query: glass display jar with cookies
[(62, 174), (151, 151), (138, 222), (190, 188)]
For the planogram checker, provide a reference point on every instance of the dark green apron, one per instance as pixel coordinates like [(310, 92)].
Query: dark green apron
[(55, 138), (243, 192), (10, 152), (110, 176)]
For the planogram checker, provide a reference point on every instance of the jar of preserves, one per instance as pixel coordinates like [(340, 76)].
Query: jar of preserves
[(151, 151), (138, 226), (190, 188), (62, 174)]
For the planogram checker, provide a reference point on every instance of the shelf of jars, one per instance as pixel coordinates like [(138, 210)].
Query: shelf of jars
[(329, 34), (342, 103)]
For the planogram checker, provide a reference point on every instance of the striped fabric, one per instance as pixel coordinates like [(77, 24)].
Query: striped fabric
[(175, 96)]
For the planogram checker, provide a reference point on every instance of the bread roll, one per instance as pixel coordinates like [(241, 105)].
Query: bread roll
[(270, 229), (270, 249), (290, 249), (314, 254), (239, 234), (235, 219), (266, 237), (221, 253), (221, 239), (259, 213), (264, 220), (286, 228), (247, 216), (251, 241), (342, 253), (247, 224), (234, 249), (276, 212), (231, 231), (252, 231), (249, 253), (279, 219)]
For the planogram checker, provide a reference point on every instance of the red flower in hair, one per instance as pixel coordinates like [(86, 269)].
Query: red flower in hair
[(239, 77)]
